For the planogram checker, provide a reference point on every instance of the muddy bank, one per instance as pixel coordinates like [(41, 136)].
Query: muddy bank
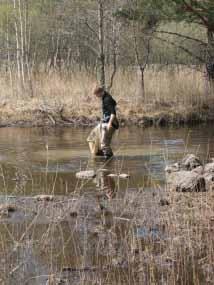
[(34, 114)]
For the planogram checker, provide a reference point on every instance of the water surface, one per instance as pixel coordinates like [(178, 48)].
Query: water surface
[(79, 234), (26, 155)]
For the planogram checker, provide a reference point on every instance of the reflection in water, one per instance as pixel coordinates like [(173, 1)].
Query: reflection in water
[(106, 184)]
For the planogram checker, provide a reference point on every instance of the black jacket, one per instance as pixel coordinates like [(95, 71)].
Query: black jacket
[(109, 108)]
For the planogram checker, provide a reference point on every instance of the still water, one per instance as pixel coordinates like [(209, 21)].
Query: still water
[(32, 155), (44, 161)]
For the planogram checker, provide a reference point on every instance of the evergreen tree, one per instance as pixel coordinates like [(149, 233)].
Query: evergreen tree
[(199, 12)]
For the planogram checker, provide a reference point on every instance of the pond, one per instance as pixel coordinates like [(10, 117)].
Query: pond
[(29, 154), (86, 234)]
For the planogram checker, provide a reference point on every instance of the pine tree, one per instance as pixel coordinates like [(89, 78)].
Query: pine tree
[(199, 12)]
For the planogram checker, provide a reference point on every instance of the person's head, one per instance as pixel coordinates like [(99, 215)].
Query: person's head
[(99, 92)]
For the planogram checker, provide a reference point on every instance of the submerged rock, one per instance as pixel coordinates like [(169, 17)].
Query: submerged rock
[(73, 214), (47, 198), (112, 175), (122, 175), (164, 202), (6, 210), (89, 174), (10, 208)]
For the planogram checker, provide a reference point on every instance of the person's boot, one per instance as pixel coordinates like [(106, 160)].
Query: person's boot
[(100, 153), (108, 155)]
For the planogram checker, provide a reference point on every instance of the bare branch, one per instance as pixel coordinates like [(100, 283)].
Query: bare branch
[(181, 36), (91, 29), (182, 48)]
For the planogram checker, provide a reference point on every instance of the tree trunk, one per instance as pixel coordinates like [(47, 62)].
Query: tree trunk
[(22, 43), (142, 84), (115, 33), (17, 43), (101, 43), (9, 63), (210, 58)]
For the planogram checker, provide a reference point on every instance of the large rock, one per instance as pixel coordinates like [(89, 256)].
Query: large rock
[(190, 161), (190, 175), (198, 170), (186, 181), (209, 175), (209, 168)]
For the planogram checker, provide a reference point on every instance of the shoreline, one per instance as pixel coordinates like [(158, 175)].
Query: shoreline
[(61, 99), (45, 119)]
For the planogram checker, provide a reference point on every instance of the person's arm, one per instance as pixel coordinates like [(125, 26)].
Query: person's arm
[(113, 116)]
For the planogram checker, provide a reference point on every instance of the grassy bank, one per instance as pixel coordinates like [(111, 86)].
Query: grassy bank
[(173, 95)]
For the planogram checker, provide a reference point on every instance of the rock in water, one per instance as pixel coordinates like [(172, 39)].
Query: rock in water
[(190, 161), (172, 168), (198, 170), (121, 176), (209, 175), (8, 207), (186, 181), (112, 175), (89, 174), (209, 168), (6, 210), (46, 198), (124, 176), (164, 202)]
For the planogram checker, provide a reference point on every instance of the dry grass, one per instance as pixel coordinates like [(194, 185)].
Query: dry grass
[(172, 90)]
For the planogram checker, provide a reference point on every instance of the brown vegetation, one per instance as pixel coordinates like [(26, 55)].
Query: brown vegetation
[(173, 95), (141, 237)]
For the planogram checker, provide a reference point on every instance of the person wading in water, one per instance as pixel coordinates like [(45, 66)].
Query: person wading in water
[(101, 137)]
